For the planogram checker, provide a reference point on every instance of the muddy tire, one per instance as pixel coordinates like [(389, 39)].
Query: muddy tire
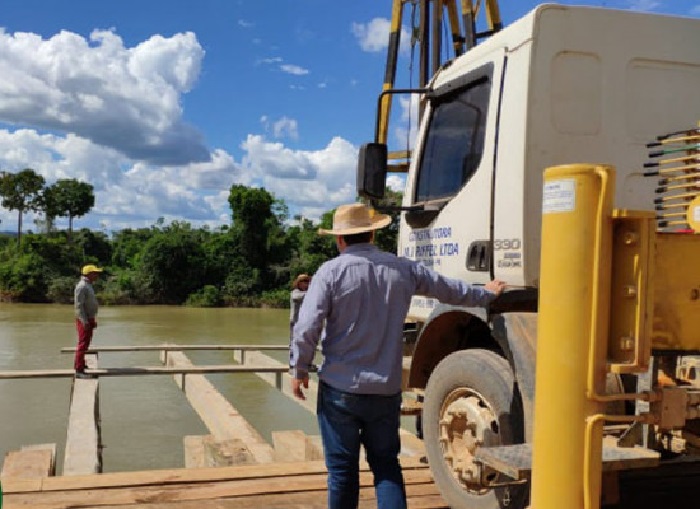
[(470, 401)]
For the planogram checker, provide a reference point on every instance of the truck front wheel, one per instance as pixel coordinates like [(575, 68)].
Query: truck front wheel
[(471, 401)]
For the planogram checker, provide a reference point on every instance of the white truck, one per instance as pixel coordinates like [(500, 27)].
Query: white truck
[(561, 85)]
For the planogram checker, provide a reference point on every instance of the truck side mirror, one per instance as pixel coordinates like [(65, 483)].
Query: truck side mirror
[(372, 170)]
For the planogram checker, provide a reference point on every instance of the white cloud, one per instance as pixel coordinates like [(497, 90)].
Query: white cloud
[(111, 116), (286, 127), (135, 194), (294, 69), (396, 183), (124, 98), (374, 36), (306, 180), (245, 24), (406, 130), (126, 193)]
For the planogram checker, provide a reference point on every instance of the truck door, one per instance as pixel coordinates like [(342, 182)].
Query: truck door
[(451, 179)]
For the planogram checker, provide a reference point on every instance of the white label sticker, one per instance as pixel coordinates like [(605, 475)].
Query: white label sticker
[(696, 214), (559, 196)]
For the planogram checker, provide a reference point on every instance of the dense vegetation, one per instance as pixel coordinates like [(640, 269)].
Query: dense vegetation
[(247, 263)]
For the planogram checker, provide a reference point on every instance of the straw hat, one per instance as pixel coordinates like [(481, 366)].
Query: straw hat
[(355, 218), (300, 279)]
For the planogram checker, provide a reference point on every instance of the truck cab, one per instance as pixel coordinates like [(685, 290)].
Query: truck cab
[(561, 85)]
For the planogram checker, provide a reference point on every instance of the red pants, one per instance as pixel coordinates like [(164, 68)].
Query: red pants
[(84, 339)]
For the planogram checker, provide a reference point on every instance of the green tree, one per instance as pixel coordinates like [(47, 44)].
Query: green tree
[(309, 248), (69, 198), (127, 244), (94, 246), (22, 192), (47, 204), (257, 222), (24, 278), (171, 264), (387, 238)]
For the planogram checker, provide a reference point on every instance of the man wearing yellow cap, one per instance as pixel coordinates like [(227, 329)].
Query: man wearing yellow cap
[(85, 304)]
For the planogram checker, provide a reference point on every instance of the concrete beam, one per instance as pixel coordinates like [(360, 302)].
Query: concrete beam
[(295, 445), (194, 451), (410, 444), (281, 379), (220, 417), (83, 454)]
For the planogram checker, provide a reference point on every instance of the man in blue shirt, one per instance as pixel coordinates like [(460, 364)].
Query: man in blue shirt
[(362, 297)]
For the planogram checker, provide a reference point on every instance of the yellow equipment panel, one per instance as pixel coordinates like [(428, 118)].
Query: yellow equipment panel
[(631, 303), (655, 292), (676, 292)]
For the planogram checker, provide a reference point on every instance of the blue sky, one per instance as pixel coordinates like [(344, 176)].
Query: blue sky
[(162, 105)]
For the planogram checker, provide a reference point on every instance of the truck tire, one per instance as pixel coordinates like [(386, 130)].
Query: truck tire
[(470, 400)]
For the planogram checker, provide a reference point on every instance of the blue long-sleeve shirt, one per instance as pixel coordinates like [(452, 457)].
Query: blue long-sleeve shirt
[(363, 296)]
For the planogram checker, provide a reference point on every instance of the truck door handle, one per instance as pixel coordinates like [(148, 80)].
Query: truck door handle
[(479, 256)]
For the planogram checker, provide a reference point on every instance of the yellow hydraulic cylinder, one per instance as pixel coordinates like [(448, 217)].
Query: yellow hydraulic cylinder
[(572, 327)]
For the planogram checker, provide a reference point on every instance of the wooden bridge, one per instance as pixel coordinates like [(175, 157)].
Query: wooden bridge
[(233, 466), (275, 485)]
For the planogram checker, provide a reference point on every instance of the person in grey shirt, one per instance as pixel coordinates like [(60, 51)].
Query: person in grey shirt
[(299, 288), (85, 304), (362, 297)]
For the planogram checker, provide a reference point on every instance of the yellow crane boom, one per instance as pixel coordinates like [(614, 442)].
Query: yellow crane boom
[(428, 34)]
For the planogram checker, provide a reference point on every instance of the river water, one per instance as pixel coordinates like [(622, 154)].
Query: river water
[(144, 418)]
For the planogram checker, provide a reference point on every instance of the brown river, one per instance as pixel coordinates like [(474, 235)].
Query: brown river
[(144, 418)]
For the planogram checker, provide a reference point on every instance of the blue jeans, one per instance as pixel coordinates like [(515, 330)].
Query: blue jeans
[(347, 420)]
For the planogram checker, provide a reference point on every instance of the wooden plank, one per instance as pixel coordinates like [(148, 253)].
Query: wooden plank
[(142, 370), (420, 496), (221, 418), (37, 373), (83, 454), (33, 461), (200, 491), (183, 476), (174, 348)]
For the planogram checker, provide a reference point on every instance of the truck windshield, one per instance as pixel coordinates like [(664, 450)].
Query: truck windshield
[(454, 143)]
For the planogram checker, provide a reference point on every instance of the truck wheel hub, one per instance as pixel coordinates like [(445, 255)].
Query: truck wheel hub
[(467, 422)]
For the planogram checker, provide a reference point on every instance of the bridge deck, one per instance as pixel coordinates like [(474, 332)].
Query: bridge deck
[(275, 485)]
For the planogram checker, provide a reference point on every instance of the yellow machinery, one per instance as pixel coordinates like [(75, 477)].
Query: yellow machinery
[(428, 33), (613, 291)]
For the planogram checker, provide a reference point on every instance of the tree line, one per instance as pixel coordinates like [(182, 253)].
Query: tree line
[(27, 191), (249, 262)]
